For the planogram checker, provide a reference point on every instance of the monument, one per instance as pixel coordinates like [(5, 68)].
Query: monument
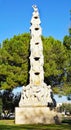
[(36, 98)]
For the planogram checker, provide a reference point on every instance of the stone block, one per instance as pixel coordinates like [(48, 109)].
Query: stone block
[(36, 115)]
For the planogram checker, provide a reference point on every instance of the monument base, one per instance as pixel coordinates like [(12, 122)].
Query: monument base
[(36, 115)]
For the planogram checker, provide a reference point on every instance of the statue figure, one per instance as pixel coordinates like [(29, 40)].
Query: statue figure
[(36, 92), (35, 8)]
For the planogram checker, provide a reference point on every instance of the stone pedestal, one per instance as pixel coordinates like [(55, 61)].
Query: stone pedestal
[(36, 115)]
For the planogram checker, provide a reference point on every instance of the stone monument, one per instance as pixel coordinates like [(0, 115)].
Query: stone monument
[(36, 98)]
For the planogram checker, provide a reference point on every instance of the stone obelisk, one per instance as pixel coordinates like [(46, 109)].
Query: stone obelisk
[(36, 97)]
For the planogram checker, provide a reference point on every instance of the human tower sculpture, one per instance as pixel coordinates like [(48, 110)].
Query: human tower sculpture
[(36, 93), (36, 97)]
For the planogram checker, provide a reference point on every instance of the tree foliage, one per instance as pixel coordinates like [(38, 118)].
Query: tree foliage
[(67, 44), (65, 107), (9, 101), (55, 60), (14, 61)]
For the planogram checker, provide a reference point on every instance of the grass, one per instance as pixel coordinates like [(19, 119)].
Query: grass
[(9, 125)]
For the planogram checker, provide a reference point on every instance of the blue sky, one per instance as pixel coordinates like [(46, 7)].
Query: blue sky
[(15, 16)]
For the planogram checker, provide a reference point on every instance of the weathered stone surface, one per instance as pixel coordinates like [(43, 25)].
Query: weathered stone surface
[(35, 115)]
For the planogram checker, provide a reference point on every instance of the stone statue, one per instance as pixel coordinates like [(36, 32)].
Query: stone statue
[(36, 98), (35, 8), (36, 93)]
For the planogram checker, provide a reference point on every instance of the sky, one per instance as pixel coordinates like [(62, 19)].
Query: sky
[(15, 17)]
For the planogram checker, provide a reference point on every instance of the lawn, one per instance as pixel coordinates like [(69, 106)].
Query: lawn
[(9, 125)]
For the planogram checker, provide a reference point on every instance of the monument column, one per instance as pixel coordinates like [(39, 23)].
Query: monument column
[(36, 93), (36, 49), (36, 97)]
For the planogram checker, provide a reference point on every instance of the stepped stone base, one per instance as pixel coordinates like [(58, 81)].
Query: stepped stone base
[(36, 115)]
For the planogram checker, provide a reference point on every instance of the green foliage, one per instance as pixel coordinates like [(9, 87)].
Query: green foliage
[(0, 105), (55, 60), (67, 41), (14, 61), (70, 31), (9, 101), (62, 90), (67, 44), (65, 107)]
